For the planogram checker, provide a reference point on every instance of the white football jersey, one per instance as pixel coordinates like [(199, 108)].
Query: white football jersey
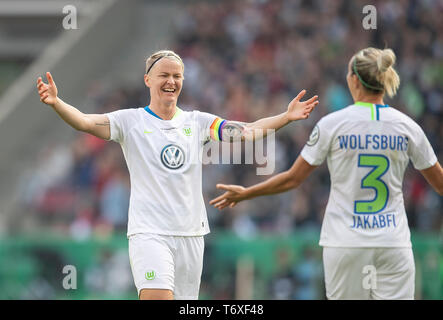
[(165, 168), (367, 148)]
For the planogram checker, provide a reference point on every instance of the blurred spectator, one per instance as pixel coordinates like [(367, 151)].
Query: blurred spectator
[(308, 274), (114, 201), (110, 275), (282, 284)]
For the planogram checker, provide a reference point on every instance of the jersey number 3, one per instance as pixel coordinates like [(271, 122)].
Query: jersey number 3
[(379, 165)]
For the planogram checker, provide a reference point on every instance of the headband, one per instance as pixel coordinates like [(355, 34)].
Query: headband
[(354, 67), (149, 69)]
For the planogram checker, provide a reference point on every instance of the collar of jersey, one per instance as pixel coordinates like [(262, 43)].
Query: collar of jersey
[(177, 112), (375, 114)]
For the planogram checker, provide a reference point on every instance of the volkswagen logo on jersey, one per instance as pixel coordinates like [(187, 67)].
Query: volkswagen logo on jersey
[(172, 156)]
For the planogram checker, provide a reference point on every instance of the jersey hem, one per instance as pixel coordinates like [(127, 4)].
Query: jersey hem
[(169, 233), (374, 245), (308, 158), (427, 166)]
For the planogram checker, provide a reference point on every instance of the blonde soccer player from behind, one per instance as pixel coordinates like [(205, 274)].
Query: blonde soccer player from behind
[(162, 146), (367, 146)]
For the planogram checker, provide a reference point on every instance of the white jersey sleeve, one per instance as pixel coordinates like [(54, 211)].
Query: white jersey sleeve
[(420, 150), (211, 125), (317, 147), (120, 122)]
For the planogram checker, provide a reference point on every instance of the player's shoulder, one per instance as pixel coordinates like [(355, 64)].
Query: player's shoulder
[(196, 113), (398, 115), (334, 118), (189, 114), (187, 111), (204, 117), (395, 115), (127, 112)]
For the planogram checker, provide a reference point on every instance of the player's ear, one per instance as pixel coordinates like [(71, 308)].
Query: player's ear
[(356, 83), (147, 81)]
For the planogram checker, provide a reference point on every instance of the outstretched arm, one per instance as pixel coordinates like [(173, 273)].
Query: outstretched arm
[(95, 124), (281, 182), (297, 110)]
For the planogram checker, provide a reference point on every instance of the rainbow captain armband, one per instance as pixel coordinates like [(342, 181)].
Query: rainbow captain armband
[(216, 129)]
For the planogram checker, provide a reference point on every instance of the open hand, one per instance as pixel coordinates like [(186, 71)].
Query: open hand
[(231, 197), (298, 110), (47, 92)]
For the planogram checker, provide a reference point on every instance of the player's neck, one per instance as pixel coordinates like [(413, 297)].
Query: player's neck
[(166, 112), (375, 99)]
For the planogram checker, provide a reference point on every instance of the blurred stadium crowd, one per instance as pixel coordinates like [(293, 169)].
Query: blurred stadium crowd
[(245, 60)]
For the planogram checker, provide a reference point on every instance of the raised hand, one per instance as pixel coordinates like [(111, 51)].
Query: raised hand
[(47, 92), (298, 110), (233, 195)]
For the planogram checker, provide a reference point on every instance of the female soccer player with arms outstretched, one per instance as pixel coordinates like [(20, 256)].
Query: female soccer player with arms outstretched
[(162, 146), (367, 146)]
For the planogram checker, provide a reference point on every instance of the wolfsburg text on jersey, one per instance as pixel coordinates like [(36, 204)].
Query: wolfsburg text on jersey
[(374, 141)]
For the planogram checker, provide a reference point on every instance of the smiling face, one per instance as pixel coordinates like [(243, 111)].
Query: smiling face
[(165, 81)]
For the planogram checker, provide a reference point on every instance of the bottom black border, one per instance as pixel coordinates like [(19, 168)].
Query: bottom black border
[(220, 309)]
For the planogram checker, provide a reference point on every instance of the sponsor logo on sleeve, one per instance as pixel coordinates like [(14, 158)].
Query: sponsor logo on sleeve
[(315, 135)]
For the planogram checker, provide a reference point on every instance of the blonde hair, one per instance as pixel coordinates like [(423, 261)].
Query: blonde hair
[(374, 68), (162, 54)]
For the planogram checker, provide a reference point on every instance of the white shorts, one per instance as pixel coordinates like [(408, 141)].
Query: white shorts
[(167, 262), (369, 273)]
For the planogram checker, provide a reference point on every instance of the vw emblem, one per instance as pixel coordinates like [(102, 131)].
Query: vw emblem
[(172, 156)]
